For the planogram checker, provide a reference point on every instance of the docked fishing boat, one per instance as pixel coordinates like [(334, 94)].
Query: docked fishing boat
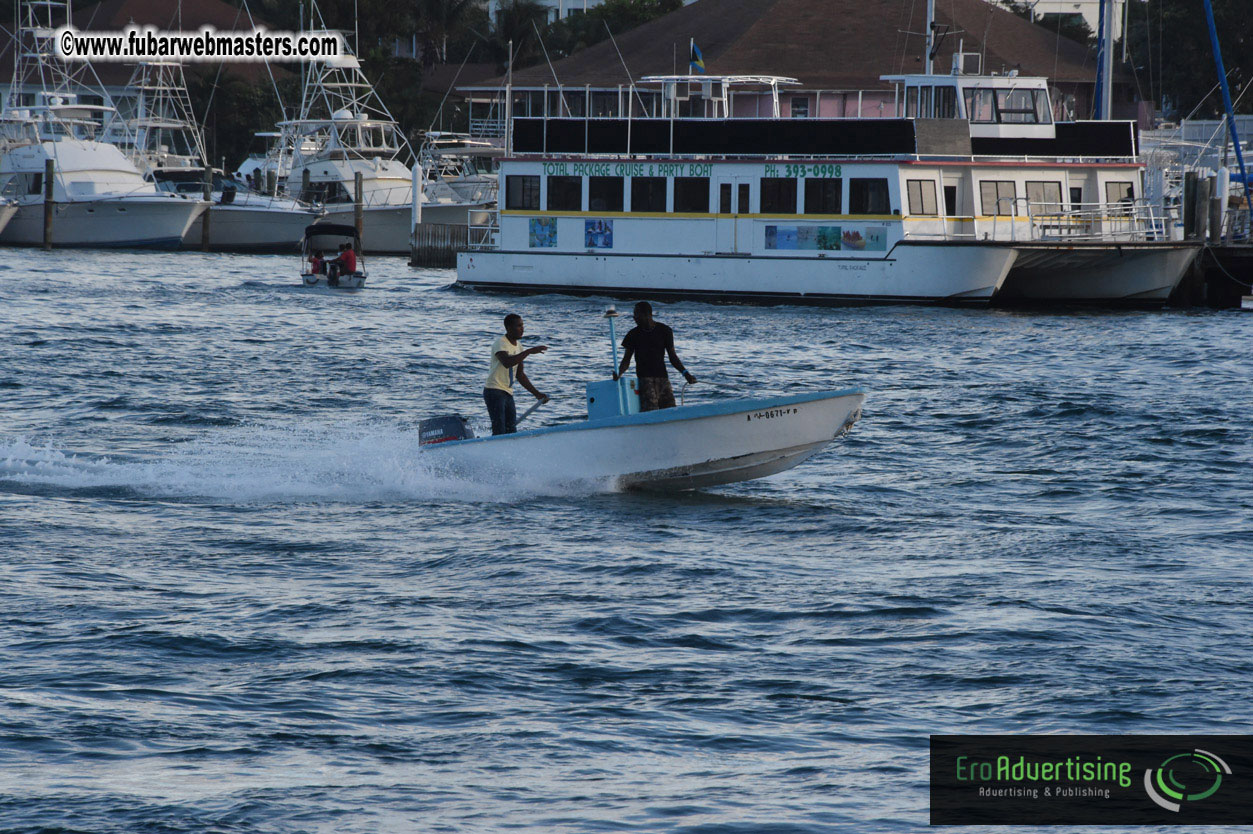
[(617, 446), (976, 195), (165, 142), (100, 199), (345, 134), (320, 247)]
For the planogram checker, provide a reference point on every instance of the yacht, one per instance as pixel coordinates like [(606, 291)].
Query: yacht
[(100, 198), (164, 141), (344, 130)]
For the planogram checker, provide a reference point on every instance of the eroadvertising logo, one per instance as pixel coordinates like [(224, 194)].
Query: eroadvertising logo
[(1192, 776), (1091, 780)]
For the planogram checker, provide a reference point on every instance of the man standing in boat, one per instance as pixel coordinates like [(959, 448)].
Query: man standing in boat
[(506, 367), (650, 342)]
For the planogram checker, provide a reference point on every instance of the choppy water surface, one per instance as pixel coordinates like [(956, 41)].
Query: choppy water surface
[(231, 599)]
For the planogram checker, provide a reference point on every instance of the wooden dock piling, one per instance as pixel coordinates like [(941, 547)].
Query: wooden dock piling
[(50, 171), (437, 244)]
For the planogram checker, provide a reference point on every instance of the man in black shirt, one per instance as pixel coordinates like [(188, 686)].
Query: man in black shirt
[(650, 342)]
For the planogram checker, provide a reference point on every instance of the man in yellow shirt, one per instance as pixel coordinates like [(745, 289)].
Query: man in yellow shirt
[(506, 367)]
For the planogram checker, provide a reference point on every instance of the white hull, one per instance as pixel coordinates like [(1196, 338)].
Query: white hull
[(386, 229), (151, 222), (955, 273), (251, 228), (346, 282), (6, 214), (679, 448), (1130, 273)]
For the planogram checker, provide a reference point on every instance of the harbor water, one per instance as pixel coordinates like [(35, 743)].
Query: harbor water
[(233, 597)]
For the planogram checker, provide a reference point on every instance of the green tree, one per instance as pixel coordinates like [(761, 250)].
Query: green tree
[(576, 32)]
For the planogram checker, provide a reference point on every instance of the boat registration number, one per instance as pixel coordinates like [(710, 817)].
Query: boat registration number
[(771, 414)]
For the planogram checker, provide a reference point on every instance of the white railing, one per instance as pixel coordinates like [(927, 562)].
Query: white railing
[(1019, 219), (487, 128), (483, 229)]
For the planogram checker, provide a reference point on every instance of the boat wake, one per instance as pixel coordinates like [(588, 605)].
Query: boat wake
[(308, 463)]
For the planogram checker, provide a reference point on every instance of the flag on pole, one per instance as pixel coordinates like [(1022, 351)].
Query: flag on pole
[(696, 63)]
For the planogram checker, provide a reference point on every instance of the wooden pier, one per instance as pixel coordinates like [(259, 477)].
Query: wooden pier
[(437, 244)]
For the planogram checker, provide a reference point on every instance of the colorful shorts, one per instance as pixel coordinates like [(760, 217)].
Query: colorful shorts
[(655, 393)]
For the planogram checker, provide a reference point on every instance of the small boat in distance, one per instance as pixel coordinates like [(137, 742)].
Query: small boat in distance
[(620, 447), (326, 238)]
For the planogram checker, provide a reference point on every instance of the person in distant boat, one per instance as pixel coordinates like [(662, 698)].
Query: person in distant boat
[(347, 260), (506, 368), (650, 342), (317, 264)]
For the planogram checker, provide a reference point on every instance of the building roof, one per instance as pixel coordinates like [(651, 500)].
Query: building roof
[(825, 44)]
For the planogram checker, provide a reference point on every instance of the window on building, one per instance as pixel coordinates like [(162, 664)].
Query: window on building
[(911, 102), (522, 193), (997, 197), (823, 195), (1076, 196), (565, 193), (1045, 197), (922, 197), (648, 194), (778, 195), (691, 195), (800, 107), (950, 200), (604, 193), (868, 196), (946, 102), (724, 198)]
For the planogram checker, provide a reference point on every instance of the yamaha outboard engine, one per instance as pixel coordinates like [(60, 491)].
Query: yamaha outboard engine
[(444, 429)]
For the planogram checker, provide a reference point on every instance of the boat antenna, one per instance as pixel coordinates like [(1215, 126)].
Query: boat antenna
[(439, 113), (630, 78), (561, 96), (611, 314)]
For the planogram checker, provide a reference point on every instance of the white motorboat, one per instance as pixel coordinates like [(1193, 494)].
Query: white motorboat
[(320, 243), (99, 197), (344, 131), (165, 142), (688, 447)]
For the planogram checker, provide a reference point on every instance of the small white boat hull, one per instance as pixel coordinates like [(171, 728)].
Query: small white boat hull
[(678, 448), (355, 281)]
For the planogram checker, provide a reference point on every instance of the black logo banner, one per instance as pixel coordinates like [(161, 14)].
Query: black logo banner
[(1091, 780)]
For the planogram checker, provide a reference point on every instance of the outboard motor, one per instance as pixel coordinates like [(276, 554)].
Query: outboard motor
[(444, 429)]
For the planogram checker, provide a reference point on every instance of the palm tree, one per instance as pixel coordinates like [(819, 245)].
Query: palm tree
[(517, 21), (438, 20)]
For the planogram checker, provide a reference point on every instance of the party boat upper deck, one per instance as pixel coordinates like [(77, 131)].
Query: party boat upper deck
[(976, 193)]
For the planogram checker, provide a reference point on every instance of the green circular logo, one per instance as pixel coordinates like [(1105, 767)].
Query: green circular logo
[(1186, 777)]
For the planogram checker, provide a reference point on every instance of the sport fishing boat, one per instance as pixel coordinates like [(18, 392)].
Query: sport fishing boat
[(100, 198), (343, 133), (617, 446), (166, 144)]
